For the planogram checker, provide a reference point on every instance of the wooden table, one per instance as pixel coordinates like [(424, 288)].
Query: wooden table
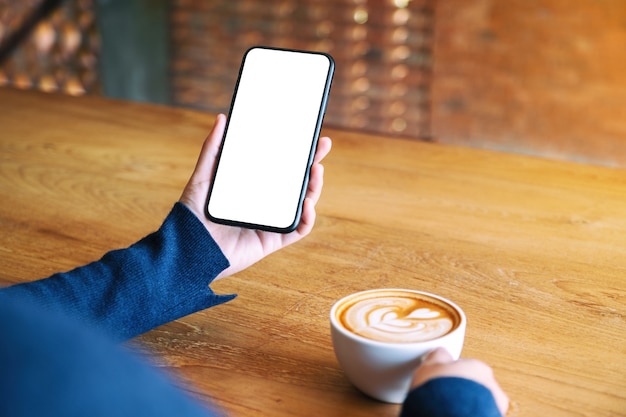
[(533, 250)]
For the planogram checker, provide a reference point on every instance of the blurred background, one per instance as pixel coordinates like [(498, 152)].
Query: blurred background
[(538, 77)]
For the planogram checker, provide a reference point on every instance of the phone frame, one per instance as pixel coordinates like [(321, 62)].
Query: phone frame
[(312, 150)]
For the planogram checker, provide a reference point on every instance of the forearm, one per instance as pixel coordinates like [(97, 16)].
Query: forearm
[(450, 397), (163, 277)]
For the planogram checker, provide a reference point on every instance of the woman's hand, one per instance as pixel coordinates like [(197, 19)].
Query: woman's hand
[(439, 363), (243, 247)]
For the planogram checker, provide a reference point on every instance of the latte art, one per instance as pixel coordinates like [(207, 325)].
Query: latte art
[(397, 318), (379, 336)]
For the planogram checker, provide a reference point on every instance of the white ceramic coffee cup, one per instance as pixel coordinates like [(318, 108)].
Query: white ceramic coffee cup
[(384, 369)]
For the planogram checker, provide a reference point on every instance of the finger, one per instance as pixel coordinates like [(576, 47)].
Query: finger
[(307, 221), (308, 217), (210, 148), (324, 144), (316, 179), (430, 366), (502, 400), (316, 183)]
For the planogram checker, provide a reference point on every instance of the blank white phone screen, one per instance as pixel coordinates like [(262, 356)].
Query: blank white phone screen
[(273, 124)]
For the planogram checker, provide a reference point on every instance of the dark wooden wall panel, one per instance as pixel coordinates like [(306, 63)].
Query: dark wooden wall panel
[(382, 50), (544, 77)]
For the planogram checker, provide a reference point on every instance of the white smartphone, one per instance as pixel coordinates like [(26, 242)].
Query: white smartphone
[(271, 134)]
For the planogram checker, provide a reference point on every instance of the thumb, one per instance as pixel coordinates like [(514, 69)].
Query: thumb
[(210, 149), (431, 365), (437, 356), (197, 187)]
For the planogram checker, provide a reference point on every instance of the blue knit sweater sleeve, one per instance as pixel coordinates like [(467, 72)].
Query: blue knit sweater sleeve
[(161, 278), (450, 397)]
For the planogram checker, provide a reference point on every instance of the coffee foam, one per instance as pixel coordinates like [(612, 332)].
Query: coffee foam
[(397, 317)]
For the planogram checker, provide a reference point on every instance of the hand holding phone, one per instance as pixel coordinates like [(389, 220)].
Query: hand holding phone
[(271, 135)]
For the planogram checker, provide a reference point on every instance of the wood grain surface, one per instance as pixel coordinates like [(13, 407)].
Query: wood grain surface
[(533, 250)]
